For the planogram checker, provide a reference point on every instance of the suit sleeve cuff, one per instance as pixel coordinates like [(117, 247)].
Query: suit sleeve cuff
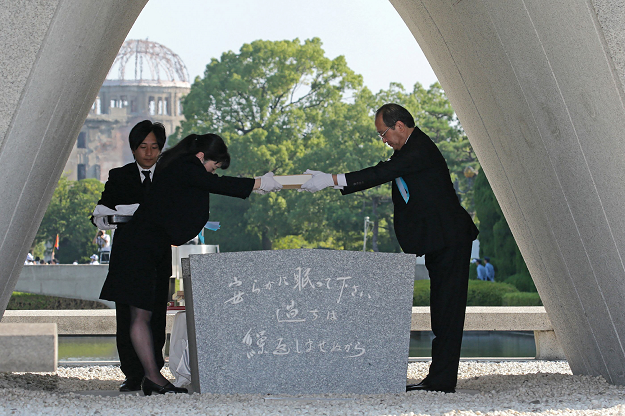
[(340, 179)]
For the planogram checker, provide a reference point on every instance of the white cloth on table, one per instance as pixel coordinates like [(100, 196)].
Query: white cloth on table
[(179, 351)]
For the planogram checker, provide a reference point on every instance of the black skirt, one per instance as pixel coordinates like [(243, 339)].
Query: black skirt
[(139, 249)]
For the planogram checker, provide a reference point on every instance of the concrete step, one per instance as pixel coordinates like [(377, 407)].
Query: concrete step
[(28, 347)]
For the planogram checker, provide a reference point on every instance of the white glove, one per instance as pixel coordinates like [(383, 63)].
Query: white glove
[(318, 181), (103, 223), (268, 183)]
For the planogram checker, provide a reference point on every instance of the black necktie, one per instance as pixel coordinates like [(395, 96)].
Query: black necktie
[(146, 182)]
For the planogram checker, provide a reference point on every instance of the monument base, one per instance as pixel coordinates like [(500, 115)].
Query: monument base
[(299, 321)]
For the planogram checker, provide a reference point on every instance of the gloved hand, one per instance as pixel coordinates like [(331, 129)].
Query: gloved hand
[(318, 181), (268, 183), (103, 223)]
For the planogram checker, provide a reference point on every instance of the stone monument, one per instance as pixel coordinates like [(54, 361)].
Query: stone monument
[(299, 321)]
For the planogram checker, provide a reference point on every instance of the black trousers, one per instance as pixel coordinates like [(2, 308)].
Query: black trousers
[(449, 279), (129, 361)]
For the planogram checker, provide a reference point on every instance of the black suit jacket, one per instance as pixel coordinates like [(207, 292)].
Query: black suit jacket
[(433, 217), (178, 201), (123, 187)]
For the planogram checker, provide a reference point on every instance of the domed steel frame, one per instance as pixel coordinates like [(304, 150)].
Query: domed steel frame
[(162, 63)]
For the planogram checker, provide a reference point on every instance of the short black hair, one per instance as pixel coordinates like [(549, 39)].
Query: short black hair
[(141, 130), (392, 113)]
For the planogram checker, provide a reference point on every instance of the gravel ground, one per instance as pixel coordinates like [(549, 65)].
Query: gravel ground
[(485, 388)]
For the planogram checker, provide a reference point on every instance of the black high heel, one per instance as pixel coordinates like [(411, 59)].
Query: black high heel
[(149, 387)]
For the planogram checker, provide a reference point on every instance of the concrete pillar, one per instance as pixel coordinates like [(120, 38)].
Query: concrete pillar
[(538, 87), (547, 346), (55, 56)]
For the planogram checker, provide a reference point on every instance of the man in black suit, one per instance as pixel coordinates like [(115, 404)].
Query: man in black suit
[(428, 220), (126, 186)]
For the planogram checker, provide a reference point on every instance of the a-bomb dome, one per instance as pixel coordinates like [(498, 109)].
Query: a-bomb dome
[(142, 60)]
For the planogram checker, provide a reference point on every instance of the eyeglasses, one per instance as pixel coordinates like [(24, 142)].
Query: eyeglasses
[(381, 135)]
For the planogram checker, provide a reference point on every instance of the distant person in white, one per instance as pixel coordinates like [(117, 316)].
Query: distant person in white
[(102, 240)]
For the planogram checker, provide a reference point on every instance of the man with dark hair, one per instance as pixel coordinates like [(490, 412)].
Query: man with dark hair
[(392, 113), (123, 192), (481, 270), (490, 270), (428, 220)]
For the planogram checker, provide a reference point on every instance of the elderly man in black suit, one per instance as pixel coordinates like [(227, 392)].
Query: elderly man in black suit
[(428, 220), (128, 185)]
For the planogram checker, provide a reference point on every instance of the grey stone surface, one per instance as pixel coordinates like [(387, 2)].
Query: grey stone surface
[(28, 347), (301, 321), (74, 322), (610, 15), (547, 346), (421, 272), (80, 281), (55, 56), (538, 87), (491, 318), (24, 26), (503, 318)]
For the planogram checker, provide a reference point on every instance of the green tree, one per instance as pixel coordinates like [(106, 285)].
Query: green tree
[(266, 102), (68, 216), (284, 106), (496, 240)]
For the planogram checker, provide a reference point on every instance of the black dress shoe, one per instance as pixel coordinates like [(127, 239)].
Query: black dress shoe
[(149, 387), (425, 386), (131, 384)]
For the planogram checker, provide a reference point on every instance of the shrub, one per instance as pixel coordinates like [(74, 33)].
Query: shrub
[(25, 301), (522, 299), (473, 271), (522, 281), (483, 293), (421, 293), (480, 293), (496, 240)]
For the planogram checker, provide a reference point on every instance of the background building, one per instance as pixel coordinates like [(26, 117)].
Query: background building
[(146, 81)]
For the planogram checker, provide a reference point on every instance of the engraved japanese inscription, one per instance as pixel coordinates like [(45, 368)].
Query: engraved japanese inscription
[(300, 321)]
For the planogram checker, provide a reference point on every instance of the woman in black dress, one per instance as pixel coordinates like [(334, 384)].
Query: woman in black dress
[(174, 211)]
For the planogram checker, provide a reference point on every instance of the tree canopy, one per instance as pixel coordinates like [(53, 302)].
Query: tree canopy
[(496, 240), (68, 215), (285, 107), (267, 102)]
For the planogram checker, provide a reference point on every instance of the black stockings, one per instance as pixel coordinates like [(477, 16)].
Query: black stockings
[(141, 336)]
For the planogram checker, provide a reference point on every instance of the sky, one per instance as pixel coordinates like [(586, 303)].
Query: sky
[(369, 33)]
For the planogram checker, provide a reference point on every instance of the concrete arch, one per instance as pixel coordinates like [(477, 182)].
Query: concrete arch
[(538, 86)]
